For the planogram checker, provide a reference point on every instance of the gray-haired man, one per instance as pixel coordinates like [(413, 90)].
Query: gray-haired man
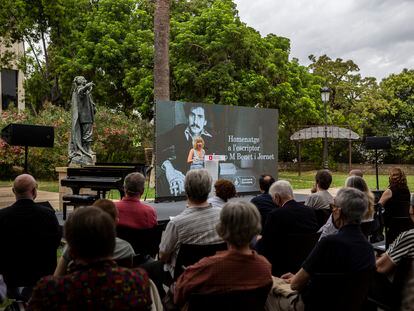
[(290, 218), (196, 224)]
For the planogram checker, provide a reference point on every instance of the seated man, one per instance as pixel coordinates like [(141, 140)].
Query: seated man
[(263, 201), (346, 252), (96, 282), (196, 224), (133, 213), (29, 237), (238, 268), (321, 198), (290, 218), (122, 248)]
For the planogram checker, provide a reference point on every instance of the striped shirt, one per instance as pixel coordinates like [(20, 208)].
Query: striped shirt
[(195, 225), (402, 247)]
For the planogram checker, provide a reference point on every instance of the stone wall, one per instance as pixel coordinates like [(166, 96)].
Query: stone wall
[(344, 167)]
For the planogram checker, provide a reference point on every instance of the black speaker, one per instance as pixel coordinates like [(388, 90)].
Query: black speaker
[(378, 142), (28, 135)]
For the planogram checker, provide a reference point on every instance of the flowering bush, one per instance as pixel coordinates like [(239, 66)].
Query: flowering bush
[(117, 138)]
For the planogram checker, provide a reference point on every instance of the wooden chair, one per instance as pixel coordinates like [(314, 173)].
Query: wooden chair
[(144, 241), (294, 249), (191, 253), (337, 291), (241, 300)]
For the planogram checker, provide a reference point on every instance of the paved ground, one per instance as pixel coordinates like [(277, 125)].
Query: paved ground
[(7, 197)]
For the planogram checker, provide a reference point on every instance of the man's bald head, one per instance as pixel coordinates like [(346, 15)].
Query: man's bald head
[(24, 187)]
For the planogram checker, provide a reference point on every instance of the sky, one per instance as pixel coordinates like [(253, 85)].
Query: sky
[(378, 35)]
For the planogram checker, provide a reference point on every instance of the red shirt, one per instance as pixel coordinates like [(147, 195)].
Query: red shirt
[(134, 214)]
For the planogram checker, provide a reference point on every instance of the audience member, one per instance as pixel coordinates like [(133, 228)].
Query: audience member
[(321, 198), (347, 252), (225, 190), (96, 282), (132, 212), (122, 248), (291, 218), (29, 237), (358, 183), (196, 224), (263, 201), (396, 193), (356, 172), (238, 268), (395, 202)]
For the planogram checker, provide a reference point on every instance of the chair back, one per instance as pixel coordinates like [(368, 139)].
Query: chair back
[(396, 220), (241, 300), (369, 227), (338, 291), (126, 262), (144, 241), (390, 296), (395, 226), (294, 249), (322, 215), (403, 272), (189, 254)]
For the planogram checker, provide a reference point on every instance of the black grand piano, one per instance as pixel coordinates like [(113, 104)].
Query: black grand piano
[(101, 177)]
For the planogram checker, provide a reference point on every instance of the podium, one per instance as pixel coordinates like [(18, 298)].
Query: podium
[(211, 164)]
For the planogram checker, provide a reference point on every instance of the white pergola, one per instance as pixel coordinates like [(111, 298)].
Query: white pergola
[(333, 132)]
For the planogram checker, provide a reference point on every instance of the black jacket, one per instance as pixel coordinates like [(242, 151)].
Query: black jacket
[(29, 237)]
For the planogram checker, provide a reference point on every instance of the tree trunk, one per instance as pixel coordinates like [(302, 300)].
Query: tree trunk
[(161, 42)]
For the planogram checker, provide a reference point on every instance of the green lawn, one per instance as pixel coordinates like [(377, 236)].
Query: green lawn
[(306, 181), (45, 185)]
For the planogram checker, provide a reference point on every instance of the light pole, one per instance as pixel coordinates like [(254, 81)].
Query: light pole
[(325, 92)]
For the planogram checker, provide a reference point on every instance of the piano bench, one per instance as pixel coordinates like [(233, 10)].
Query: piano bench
[(77, 200)]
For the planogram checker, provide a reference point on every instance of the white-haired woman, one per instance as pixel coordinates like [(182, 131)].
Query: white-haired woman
[(238, 268)]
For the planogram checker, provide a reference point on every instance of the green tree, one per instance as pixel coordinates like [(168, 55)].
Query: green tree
[(39, 23), (398, 91), (114, 49)]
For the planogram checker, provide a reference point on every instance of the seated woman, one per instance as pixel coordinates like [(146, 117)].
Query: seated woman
[(238, 268), (358, 183), (397, 190), (196, 154), (96, 282), (122, 248), (225, 190), (396, 202)]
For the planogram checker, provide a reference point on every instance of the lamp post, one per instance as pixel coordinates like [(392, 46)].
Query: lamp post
[(325, 92)]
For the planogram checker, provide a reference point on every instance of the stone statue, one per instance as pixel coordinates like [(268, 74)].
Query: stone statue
[(83, 113)]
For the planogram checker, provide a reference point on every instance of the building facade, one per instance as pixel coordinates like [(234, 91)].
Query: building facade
[(12, 79)]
